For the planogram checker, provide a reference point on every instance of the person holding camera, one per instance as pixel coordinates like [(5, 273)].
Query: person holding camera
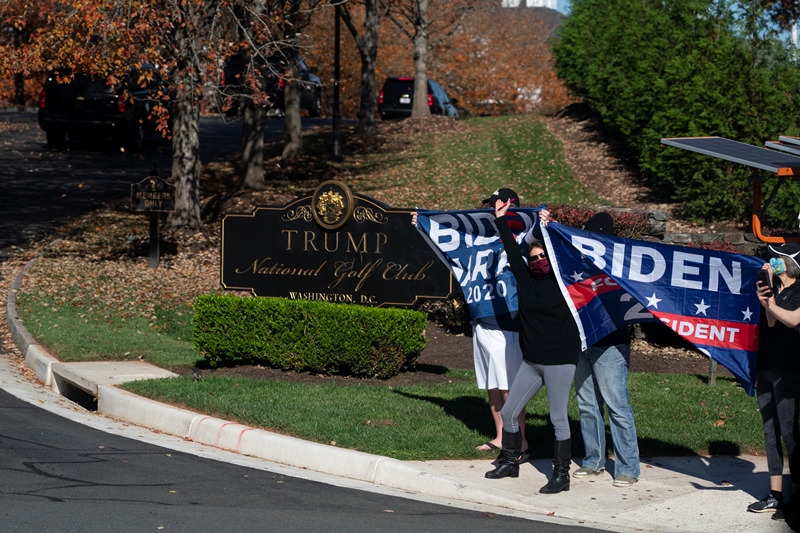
[(778, 375)]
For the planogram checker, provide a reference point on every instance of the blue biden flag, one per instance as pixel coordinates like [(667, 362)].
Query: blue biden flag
[(469, 244), (707, 297)]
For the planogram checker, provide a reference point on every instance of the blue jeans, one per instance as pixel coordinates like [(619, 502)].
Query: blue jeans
[(601, 378)]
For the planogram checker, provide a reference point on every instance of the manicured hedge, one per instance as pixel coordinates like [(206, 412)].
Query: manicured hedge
[(308, 336)]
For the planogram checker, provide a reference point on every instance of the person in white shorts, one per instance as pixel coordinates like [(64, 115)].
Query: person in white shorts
[(496, 351), (497, 356)]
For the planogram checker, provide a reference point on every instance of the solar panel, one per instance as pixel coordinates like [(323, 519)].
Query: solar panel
[(780, 163), (788, 148), (789, 140)]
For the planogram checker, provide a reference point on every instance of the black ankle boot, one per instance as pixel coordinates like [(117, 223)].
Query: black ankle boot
[(562, 458), (508, 464)]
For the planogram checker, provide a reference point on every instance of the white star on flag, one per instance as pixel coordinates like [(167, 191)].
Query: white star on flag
[(653, 301), (701, 307), (577, 276), (747, 314)]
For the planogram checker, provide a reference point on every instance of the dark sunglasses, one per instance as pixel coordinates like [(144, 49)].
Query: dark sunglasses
[(536, 257)]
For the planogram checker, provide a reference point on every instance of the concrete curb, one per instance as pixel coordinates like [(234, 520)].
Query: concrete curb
[(351, 464), (35, 356)]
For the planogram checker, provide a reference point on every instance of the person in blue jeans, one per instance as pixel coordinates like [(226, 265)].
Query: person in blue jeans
[(601, 380)]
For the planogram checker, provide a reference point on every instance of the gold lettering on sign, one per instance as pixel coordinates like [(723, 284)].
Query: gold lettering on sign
[(362, 243), (289, 233), (263, 266), (397, 271), (346, 269), (327, 247), (380, 239), (309, 235), (323, 296), (149, 195)]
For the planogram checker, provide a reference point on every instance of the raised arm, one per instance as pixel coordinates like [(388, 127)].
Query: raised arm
[(515, 258), (774, 312)]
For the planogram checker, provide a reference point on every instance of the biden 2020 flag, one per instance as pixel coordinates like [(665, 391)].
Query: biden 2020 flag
[(707, 297), (469, 244)]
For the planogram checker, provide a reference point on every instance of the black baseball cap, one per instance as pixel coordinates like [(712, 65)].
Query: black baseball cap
[(789, 249), (505, 195), (601, 223)]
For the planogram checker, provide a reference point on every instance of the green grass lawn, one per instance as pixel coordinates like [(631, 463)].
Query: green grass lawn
[(457, 170), (675, 414), (85, 309)]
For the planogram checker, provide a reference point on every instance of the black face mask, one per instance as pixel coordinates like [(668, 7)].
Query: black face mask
[(540, 268)]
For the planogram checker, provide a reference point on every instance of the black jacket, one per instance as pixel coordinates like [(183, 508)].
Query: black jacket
[(548, 333), (778, 345)]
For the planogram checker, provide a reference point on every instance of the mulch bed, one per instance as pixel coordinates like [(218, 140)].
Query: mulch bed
[(445, 350)]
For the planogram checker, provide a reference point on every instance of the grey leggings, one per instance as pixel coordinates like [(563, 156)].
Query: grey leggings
[(529, 379), (778, 392)]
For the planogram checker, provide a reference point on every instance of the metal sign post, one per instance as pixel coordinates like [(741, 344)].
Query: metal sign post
[(153, 195)]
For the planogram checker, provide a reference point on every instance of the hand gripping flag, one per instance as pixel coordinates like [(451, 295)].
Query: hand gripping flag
[(469, 244), (707, 297)]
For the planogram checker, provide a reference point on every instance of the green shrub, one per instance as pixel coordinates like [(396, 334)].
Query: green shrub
[(707, 68), (309, 336)]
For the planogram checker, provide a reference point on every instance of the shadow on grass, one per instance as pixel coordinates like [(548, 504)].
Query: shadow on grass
[(429, 369), (474, 413)]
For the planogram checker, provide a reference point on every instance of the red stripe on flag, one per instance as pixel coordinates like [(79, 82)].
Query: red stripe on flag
[(709, 332), (585, 290)]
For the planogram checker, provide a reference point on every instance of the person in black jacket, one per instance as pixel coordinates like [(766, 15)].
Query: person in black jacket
[(550, 345), (778, 376)]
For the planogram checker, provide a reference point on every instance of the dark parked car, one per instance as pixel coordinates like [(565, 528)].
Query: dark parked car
[(85, 106), (272, 77), (397, 95)]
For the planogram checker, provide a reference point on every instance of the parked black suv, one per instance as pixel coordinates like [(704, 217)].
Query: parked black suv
[(232, 83), (86, 106), (397, 95)]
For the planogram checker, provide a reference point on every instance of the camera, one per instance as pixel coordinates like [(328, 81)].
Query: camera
[(763, 277)]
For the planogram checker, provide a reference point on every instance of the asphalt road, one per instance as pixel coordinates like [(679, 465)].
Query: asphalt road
[(58, 475)]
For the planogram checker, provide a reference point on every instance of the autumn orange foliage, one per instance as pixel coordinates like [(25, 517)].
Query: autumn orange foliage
[(498, 61)]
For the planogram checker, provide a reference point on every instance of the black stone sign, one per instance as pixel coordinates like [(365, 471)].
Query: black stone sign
[(334, 246), (152, 194)]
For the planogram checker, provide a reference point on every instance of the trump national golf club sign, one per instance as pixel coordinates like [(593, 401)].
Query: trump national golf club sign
[(334, 246)]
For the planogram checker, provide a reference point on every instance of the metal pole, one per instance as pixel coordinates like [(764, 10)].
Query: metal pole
[(154, 240), (337, 118)]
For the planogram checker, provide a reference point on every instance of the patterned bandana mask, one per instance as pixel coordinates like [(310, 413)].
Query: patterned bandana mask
[(778, 266)]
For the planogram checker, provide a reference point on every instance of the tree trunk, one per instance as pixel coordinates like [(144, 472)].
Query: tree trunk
[(19, 89), (368, 110), (420, 106), (252, 169), (293, 126), (368, 51), (186, 164)]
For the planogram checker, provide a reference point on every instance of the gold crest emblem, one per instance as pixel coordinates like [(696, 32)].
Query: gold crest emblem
[(332, 204)]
